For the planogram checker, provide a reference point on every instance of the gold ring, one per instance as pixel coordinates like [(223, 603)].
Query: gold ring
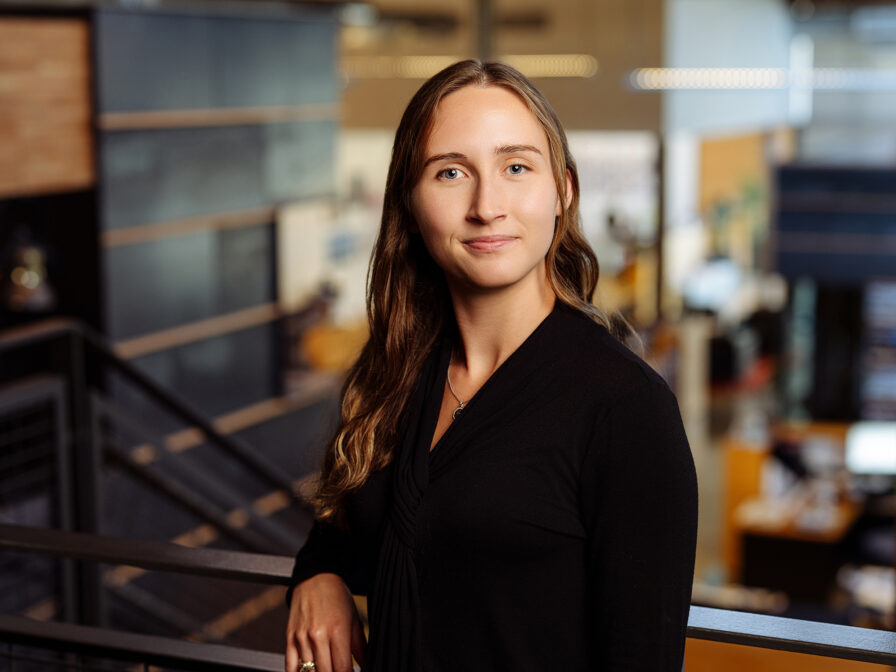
[(307, 666)]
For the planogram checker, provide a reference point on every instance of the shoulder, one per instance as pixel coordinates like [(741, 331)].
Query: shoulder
[(636, 433), (593, 362)]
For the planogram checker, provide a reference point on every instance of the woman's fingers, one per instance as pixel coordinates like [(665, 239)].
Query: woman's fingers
[(320, 652), (300, 650), (292, 653), (341, 655), (321, 625), (359, 642), (293, 645)]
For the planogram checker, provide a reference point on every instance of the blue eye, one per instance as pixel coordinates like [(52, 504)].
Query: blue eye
[(449, 173), (517, 169)]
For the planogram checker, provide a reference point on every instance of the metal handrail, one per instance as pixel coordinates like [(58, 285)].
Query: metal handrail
[(792, 634), (206, 487), (190, 501), (721, 625), (213, 562), (134, 647), (49, 329)]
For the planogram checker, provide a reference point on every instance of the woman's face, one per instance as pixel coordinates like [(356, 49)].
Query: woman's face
[(486, 201)]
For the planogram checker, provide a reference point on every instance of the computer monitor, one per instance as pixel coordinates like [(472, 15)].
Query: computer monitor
[(871, 448)]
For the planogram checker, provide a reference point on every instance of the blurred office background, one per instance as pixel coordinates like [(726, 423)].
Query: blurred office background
[(189, 192)]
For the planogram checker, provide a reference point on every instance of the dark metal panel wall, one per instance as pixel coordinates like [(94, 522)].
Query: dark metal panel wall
[(248, 123), (172, 62), (836, 225), (196, 277), (157, 175)]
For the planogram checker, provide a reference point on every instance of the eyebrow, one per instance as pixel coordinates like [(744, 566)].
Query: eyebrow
[(500, 150)]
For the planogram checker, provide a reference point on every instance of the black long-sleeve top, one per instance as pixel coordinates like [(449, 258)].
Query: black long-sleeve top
[(552, 527)]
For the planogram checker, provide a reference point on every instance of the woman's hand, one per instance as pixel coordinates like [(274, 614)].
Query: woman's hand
[(324, 626)]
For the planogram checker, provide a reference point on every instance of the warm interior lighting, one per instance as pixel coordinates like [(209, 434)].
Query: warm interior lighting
[(553, 65), (661, 79), (824, 79), (423, 67)]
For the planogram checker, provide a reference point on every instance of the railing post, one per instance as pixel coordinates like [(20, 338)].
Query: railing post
[(85, 460), (64, 483)]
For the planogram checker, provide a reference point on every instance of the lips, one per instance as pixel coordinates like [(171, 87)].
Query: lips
[(489, 243)]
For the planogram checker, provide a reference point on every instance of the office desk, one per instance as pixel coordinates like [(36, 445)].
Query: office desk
[(743, 464), (799, 550), (798, 520)]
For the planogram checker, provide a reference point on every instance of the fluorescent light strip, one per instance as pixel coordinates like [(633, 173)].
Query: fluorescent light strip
[(717, 79), (423, 67), (553, 65), (662, 79)]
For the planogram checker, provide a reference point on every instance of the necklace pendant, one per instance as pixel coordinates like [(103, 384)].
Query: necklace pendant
[(457, 411)]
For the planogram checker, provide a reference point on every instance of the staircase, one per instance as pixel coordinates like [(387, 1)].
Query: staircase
[(75, 457)]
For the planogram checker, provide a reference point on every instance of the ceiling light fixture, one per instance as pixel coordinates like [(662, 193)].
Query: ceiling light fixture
[(718, 79)]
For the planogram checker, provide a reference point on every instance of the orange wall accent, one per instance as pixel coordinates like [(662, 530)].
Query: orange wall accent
[(743, 475), (727, 163), (705, 656)]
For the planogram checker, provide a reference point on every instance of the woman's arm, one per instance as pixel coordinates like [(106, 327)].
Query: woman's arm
[(327, 549), (639, 502), (323, 625)]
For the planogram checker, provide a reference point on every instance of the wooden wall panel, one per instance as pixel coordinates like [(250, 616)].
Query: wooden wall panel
[(45, 112)]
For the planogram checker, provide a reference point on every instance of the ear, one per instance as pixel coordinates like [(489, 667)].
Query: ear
[(568, 194)]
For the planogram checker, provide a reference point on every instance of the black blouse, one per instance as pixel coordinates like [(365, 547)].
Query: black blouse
[(552, 527)]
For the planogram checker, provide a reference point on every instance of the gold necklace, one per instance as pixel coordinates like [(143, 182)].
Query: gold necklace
[(451, 387)]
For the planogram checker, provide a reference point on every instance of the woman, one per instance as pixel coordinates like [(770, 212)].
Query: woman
[(510, 485)]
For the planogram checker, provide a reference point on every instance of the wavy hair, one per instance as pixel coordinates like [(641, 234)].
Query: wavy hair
[(408, 306)]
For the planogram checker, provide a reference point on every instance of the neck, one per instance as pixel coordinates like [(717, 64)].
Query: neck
[(493, 325)]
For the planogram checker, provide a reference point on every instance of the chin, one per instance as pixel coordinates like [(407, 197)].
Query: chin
[(495, 278), (492, 284)]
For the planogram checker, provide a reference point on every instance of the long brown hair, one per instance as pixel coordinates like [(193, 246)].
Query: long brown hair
[(408, 304)]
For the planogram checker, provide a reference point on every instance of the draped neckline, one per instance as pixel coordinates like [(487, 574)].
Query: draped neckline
[(507, 368)]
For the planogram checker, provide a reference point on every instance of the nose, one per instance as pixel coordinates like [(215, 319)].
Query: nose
[(487, 202)]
